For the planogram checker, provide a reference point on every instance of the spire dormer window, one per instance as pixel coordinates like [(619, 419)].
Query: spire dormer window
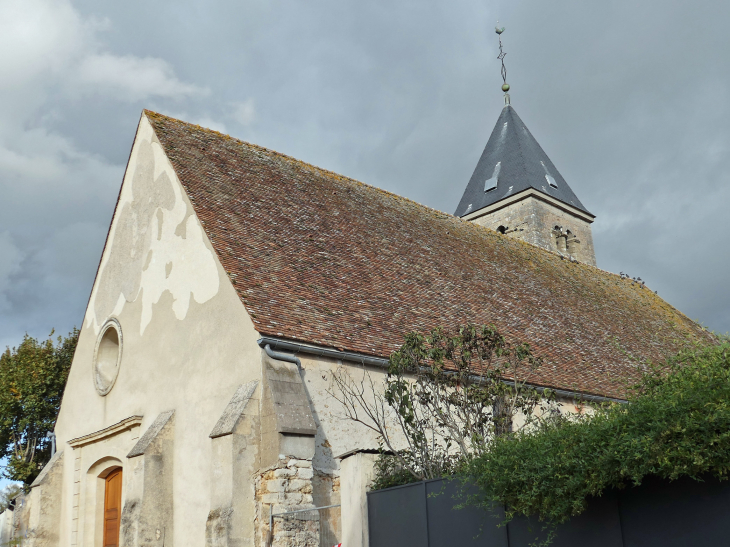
[(491, 183), (548, 177)]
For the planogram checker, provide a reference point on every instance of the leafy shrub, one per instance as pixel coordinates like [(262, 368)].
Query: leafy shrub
[(676, 423), (389, 471)]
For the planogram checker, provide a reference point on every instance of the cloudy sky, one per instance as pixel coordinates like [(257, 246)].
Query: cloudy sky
[(629, 99)]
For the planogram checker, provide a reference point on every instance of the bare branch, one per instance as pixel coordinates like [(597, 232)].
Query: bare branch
[(445, 398)]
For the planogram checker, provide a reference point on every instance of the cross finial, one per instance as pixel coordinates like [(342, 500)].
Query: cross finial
[(505, 86)]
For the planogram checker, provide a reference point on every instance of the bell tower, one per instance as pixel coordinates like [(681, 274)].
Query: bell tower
[(517, 191)]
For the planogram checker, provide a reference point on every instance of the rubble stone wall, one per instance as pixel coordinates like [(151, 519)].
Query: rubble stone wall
[(292, 485)]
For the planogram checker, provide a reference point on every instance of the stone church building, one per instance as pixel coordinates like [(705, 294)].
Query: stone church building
[(235, 280)]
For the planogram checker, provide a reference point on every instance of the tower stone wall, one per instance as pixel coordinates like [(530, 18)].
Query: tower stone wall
[(516, 190), (540, 223)]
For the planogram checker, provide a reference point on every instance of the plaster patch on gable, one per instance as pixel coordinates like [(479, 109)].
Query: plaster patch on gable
[(156, 243)]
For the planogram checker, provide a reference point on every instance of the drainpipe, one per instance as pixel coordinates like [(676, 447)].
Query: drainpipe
[(323, 352), (52, 436), (283, 356)]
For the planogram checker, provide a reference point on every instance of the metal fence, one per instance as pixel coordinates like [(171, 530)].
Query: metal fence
[(658, 513)]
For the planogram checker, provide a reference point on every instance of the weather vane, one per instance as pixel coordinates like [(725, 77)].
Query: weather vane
[(501, 56)]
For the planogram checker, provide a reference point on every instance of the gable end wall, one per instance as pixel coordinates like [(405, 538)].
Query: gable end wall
[(187, 344)]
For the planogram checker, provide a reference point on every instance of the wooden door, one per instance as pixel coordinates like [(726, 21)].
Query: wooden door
[(112, 508)]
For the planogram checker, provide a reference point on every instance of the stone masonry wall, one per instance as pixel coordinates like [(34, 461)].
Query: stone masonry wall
[(326, 487), (535, 222), (289, 486)]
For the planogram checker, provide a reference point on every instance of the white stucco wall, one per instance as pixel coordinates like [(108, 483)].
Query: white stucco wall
[(335, 434), (188, 342), (6, 526), (357, 471)]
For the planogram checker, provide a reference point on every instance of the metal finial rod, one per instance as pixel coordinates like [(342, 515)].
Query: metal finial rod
[(505, 86)]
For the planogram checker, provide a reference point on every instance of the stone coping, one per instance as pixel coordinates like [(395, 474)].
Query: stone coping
[(587, 217), (119, 427)]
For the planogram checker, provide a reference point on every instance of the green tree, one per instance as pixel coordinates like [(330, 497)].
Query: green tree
[(446, 396), (8, 494), (32, 379)]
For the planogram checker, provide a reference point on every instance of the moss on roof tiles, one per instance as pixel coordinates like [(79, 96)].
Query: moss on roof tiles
[(405, 267)]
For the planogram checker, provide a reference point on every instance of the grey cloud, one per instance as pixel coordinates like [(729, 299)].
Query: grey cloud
[(629, 100)]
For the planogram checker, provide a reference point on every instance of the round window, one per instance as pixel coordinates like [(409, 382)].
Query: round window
[(107, 356)]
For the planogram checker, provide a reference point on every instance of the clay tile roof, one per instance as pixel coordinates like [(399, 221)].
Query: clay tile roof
[(324, 259)]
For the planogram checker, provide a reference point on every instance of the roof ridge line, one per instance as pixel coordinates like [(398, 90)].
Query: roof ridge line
[(450, 216), (519, 141), (296, 160)]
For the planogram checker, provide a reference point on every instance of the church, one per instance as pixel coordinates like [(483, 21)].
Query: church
[(235, 280)]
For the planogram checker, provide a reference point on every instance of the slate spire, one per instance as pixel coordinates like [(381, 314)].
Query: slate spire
[(513, 162)]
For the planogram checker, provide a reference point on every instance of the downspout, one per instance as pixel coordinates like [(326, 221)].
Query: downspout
[(52, 436), (283, 356), (323, 352), (289, 359)]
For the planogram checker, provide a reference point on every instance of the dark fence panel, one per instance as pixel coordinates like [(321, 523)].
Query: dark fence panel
[(469, 526), (598, 526), (676, 514), (656, 514), (401, 516)]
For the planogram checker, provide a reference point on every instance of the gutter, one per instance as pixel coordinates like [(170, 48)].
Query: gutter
[(267, 343), (294, 347)]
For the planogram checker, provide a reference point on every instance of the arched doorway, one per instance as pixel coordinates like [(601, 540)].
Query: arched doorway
[(112, 507)]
